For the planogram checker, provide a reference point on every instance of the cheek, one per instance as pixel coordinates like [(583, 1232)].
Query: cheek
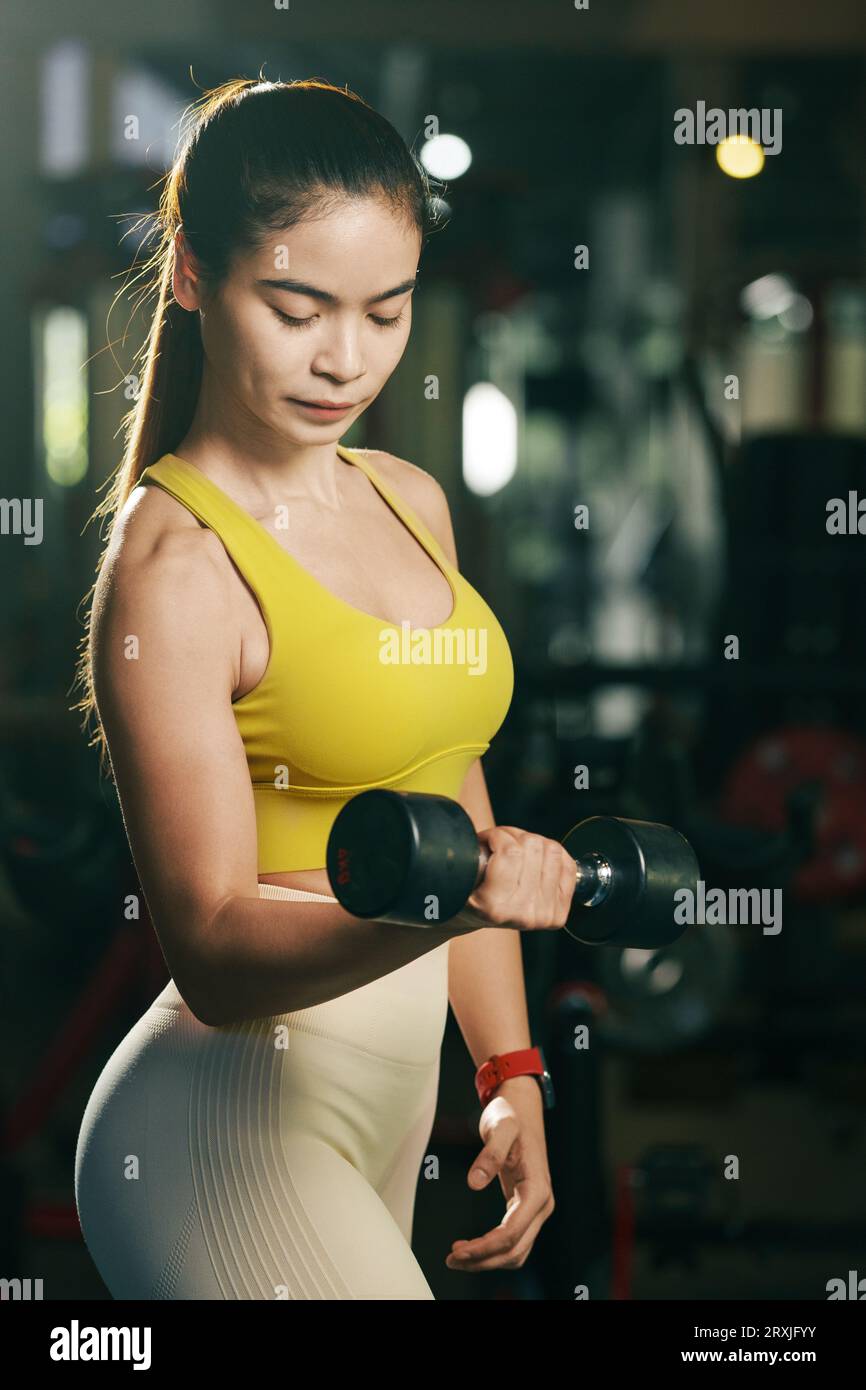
[(248, 345), (228, 339), (390, 352)]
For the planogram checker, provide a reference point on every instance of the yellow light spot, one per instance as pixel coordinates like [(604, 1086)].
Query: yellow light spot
[(740, 157)]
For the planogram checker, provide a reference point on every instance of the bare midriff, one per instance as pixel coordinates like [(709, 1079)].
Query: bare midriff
[(311, 880)]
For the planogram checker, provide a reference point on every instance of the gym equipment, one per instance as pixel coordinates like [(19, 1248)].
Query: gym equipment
[(667, 998), (390, 852), (782, 763)]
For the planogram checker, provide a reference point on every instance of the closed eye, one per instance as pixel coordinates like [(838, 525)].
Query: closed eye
[(305, 323)]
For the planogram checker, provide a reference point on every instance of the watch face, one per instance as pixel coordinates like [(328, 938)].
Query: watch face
[(545, 1081)]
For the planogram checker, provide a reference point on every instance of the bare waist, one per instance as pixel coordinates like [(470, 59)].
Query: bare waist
[(400, 1016)]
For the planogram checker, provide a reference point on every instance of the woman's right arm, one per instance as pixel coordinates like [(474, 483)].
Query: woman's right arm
[(165, 660)]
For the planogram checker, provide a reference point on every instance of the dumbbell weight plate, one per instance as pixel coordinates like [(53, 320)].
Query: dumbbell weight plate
[(402, 856), (650, 863)]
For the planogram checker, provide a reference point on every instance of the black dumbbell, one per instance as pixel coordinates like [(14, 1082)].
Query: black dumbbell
[(413, 857)]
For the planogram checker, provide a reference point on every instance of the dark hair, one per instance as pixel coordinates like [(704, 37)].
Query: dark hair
[(256, 158)]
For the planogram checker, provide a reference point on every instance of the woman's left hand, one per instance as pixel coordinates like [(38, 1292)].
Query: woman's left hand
[(512, 1128)]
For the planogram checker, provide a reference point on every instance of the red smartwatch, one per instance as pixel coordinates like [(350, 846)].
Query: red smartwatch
[(527, 1061)]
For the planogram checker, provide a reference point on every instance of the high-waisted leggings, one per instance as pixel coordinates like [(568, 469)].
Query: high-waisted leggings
[(274, 1158)]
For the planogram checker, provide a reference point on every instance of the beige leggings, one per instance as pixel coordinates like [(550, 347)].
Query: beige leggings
[(273, 1159)]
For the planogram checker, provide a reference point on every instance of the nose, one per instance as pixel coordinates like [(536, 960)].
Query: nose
[(339, 355)]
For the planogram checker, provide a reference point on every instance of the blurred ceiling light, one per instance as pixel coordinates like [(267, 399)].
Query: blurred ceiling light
[(446, 156), (798, 315), (740, 157), (60, 372), (769, 296), (489, 439)]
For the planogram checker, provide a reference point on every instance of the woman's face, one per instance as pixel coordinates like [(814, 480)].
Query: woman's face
[(320, 314)]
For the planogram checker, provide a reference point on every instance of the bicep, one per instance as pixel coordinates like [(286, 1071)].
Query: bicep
[(163, 677)]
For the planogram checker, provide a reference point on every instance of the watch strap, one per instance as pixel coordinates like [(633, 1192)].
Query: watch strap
[(526, 1061)]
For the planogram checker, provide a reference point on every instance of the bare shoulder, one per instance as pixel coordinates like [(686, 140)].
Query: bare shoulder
[(161, 579), (155, 532), (162, 569), (424, 494)]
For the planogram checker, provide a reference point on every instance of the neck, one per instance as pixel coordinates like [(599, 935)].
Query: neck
[(245, 457)]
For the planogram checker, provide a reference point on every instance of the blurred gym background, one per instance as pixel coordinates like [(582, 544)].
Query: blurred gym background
[(700, 388)]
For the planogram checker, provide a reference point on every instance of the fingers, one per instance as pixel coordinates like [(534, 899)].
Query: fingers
[(551, 877), (529, 882), (464, 1257), (540, 881), (501, 840), (567, 885), (527, 854), (508, 1246)]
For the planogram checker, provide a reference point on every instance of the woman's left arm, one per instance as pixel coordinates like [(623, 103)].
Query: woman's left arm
[(485, 978), (487, 993), (485, 967)]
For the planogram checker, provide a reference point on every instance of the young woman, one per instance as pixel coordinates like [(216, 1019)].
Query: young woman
[(259, 1132)]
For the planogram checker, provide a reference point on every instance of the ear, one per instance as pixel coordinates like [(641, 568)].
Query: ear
[(186, 283)]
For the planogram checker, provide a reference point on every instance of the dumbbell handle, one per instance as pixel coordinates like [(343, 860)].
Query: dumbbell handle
[(593, 876)]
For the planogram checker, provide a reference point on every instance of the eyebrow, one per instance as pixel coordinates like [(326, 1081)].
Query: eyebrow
[(299, 287)]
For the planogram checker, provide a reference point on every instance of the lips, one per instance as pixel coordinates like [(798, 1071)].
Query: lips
[(325, 405)]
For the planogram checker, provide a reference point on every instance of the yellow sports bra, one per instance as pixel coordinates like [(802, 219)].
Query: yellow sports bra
[(348, 701)]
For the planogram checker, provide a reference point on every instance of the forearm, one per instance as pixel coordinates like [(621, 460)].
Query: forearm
[(485, 968), (264, 956), (487, 992)]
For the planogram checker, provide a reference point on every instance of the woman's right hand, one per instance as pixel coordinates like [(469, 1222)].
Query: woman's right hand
[(528, 884)]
